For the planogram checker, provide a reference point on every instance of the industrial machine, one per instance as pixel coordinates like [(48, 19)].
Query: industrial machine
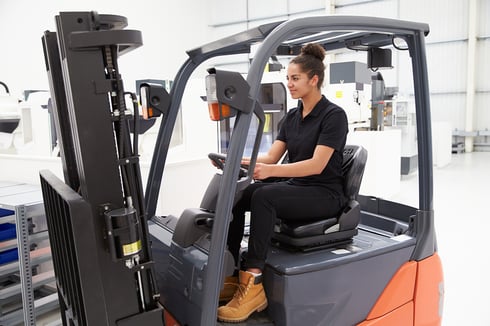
[(392, 111), (9, 118), (117, 263), (24, 123), (350, 88)]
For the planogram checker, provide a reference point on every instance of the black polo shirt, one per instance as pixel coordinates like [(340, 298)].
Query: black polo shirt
[(325, 125)]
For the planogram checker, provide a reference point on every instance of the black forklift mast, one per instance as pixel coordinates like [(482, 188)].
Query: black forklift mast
[(99, 237)]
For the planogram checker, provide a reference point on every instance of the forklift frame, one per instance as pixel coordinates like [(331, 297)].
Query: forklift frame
[(77, 67), (286, 38)]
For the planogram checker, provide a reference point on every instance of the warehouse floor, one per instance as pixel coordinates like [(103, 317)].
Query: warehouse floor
[(462, 224), (461, 211)]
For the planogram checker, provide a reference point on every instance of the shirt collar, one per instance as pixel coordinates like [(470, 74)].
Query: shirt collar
[(316, 110)]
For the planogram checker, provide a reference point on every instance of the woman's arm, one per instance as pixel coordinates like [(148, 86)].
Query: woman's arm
[(312, 166), (276, 151)]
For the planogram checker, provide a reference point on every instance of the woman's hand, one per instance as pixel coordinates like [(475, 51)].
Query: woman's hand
[(263, 171), (245, 162)]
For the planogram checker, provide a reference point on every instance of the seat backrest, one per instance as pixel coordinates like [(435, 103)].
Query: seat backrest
[(354, 162)]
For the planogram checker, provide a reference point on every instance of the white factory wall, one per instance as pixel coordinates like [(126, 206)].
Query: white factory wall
[(447, 46), (447, 43), (169, 28)]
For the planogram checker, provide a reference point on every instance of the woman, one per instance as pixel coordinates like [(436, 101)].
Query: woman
[(314, 135)]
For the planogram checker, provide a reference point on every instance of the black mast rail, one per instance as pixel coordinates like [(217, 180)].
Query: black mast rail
[(98, 229)]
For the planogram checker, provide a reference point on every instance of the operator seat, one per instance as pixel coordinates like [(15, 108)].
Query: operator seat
[(330, 231)]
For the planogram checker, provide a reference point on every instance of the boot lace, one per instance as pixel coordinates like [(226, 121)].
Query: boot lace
[(242, 290)]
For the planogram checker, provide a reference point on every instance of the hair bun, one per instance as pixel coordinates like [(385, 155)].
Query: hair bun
[(313, 49)]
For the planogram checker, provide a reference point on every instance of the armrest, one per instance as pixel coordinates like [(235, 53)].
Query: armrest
[(351, 215)]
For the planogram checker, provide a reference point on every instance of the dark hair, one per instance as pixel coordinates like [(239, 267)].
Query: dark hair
[(311, 61)]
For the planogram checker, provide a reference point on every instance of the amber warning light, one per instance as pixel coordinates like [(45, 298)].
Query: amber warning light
[(217, 110), (146, 109), (154, 99)]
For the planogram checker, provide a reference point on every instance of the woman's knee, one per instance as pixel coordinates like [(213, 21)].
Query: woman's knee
[(264, 194)]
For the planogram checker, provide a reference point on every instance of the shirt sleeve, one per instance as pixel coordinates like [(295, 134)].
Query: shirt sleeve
[(334, 129)]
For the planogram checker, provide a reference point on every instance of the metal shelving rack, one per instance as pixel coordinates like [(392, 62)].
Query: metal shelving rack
[(26, 204)]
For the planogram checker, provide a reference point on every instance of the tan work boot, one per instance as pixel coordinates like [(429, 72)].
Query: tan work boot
[(249, 297), (229, 288)]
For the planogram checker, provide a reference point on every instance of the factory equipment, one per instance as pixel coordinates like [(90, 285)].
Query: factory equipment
[(117, 263), (350, 88), (25, 126), (9, 119), (400, 114), (392, 111), (377, 102)]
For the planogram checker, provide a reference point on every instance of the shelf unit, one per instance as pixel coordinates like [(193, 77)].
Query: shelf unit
[(25, 290)]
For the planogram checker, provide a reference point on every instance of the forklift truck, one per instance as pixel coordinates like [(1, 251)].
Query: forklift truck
[(117, 263)]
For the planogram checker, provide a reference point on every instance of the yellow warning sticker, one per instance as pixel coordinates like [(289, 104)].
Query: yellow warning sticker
[(131, 248), (339, 94)]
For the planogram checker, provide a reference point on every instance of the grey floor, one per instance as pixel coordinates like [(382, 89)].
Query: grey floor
[(461, 205), (462, 221), (462, 214)]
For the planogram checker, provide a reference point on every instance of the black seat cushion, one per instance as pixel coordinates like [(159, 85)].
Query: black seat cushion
[(330, 230)]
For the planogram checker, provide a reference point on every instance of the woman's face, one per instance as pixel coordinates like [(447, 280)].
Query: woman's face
[(299, 84)]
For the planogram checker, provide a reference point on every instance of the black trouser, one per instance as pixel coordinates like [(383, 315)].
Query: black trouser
[(267, 201)]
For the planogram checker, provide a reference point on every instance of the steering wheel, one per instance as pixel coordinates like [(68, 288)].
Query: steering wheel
[(219, 161)]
